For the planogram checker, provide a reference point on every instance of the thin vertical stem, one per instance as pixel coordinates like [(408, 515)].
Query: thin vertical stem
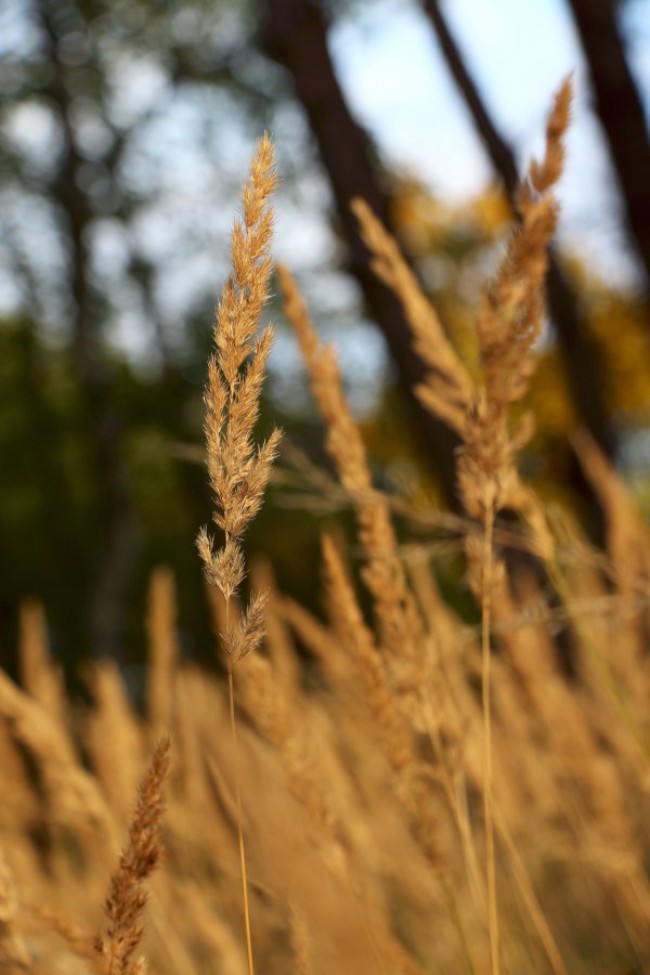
[(239, 471), (240, 823), (486, 624), (529, 897)]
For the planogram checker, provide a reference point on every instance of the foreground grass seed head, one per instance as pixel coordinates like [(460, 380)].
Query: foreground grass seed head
[(238, 470)]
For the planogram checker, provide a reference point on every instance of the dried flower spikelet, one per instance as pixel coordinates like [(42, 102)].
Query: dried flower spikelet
[(344, 442), (480, 581), (238, 470), (358, 642), (248, 633), (510, 320), (12, 948), (127, 895), (511, 317), (448, 391), (76, 939), (545, 174), (383, 574)]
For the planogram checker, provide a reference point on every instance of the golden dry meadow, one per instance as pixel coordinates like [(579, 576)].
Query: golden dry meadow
[(387, 788)]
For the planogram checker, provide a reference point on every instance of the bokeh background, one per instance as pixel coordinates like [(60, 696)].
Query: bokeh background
[(126, 132)]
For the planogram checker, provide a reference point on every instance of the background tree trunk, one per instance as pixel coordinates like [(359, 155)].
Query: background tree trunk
[(582, 362), (117, 546), (295, 34), (620, 111)]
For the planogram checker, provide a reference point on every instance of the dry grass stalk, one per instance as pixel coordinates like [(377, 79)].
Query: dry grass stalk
[(238, 471), (38, 674), (213, 932), (529, 897), (449, 390), (397, 617), (127, 895), (358, 641), (629, 569), (509, 322), (317, 638), (72, 800), (393, 735), (13, 952), (272, 709), (164, 651), (115, 737), (190, 723), (76, 939), (278, 639)]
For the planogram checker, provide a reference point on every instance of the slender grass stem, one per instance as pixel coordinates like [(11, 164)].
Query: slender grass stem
[(240, 820), (486, 624)]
